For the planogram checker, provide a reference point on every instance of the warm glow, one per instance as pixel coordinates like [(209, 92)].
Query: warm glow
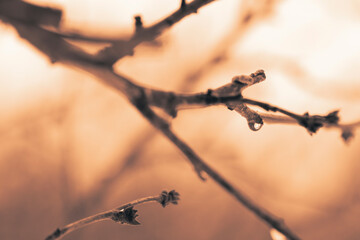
[(62, 132)]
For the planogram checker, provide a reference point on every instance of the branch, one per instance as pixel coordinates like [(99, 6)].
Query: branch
[(347, 129), (231, 96), (86, 38), (123, 214), (30, 13), (145, 34)]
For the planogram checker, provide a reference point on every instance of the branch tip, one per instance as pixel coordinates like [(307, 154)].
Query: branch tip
[(169, 197), (251, 79), (333, 117), (127, 216), (314, 122)]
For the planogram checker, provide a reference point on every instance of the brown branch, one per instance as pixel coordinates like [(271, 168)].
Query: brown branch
[(77, 36), (145, 34), (30, 13), (347, 129), (231, 96), (123, 214)]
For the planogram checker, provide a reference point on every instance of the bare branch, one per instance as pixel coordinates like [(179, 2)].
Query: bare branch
[(123, 214), (30, 13), (347, 129), (77, 36), (231, 95), (121, 49)]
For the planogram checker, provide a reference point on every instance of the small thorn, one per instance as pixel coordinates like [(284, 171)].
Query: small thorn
[(138, 23), (183, 5)]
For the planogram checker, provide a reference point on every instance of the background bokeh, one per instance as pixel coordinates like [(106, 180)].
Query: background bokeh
[(71, 147)]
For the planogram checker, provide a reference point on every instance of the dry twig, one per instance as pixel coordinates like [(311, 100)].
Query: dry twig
[(123, 214)]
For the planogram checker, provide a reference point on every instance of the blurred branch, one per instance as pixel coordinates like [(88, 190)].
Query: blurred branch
[(347, 129), (30, 13), (116, 171), (145, 34), (123, 214), (82, 37)]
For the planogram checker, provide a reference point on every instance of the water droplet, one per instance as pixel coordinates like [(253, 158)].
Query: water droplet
[(255, 126), (276, 235)]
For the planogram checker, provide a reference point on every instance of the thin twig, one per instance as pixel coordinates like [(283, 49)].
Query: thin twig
[(30, 13), (82, 37), (347, 129), (122, 214), (120, 49)]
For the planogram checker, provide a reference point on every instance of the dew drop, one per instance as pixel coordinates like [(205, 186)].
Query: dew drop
[(255, 126), (276, 235)]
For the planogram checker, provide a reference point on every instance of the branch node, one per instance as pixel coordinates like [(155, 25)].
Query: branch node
[(169, 21), (56, 234), (127, 216), (313, 123), (347, 134), (169, 197), (199, 172), (194, 10), (209, 98), (333, 117)]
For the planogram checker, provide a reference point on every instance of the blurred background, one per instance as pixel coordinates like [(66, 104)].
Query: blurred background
[(71, 147)]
